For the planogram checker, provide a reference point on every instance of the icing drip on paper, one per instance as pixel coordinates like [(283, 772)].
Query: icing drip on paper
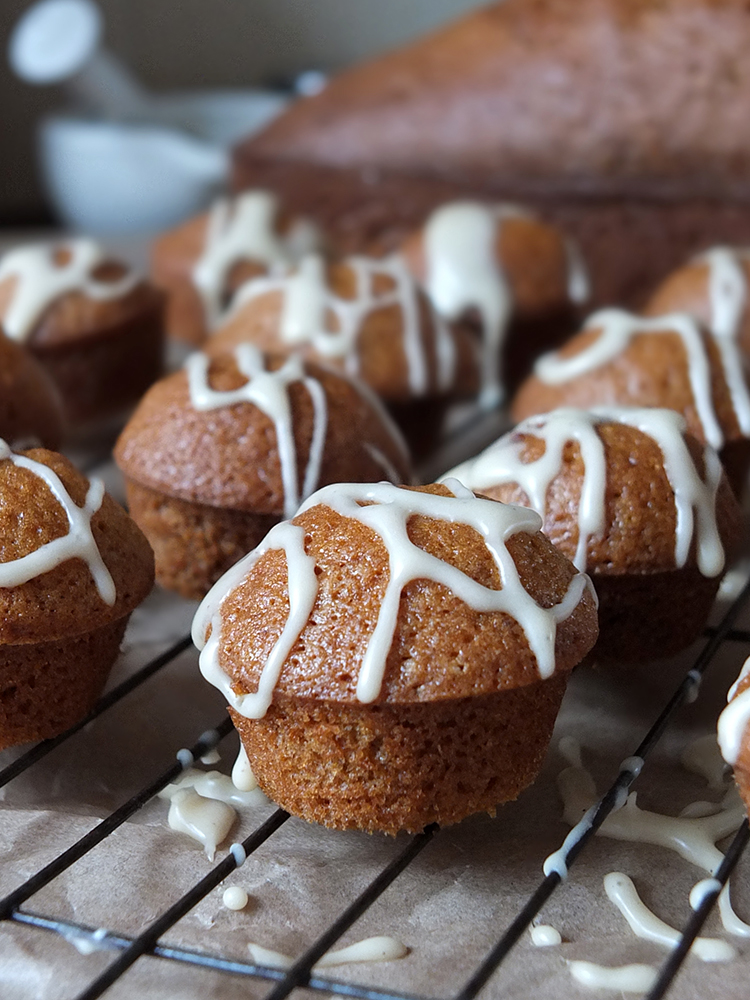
[(78, 543), (464, 271), (703, 758), (309, 304), (387, 513), (625, 978), (269, 391), (244, 228), (617, 328), (734, 720), (544, 936), (647, 925), (235, 898), (41, 280), (374, 949), (694, 498)]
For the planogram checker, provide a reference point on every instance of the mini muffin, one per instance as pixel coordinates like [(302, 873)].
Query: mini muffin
[(367, 317), (218, 453), (73, 566), (201, 263), (514, 278), (90, 321), (395, 657), (634, 501), (669, 361), (734, 732), (30, 409)]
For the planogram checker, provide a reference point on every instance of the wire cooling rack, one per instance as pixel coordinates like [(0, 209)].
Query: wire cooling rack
[(121, 950)]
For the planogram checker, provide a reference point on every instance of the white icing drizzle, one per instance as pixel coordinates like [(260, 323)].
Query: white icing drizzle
[(78, 543), (218, 786), (579, 283), (87, 942), (703, 758), (244, 228), (308, 302), (730, 920), (269, 391), (701, 890), (242, 774), (381, 459), (617, 328), (694, 498), (41, 280), (387, 513), (735, 718), (375, 949), (235, 898), (464, 271), (625, 978), (206, 820), (212, 757), (545, 936), (647, 925)]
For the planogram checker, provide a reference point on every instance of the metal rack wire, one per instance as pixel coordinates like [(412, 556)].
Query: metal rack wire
[(302, 974)]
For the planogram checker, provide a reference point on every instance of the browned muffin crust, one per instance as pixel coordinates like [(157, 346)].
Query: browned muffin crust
[(742, 765), (30, 409)]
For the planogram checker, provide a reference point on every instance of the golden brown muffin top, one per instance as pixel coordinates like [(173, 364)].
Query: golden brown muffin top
[(713, 288), (53, 295), (440, 646), (364, 315), (608, 486), (30, 408), (620, 359), (65, 600), (237, 453)]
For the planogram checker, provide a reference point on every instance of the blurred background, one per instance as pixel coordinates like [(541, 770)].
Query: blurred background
[(175, 45)]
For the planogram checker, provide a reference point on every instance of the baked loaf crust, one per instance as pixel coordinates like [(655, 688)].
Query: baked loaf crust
[(95, 326), (464, 711), (633, 501), (217, 454), (663, 361), (65, 593), (202, 263), (621, 120), (30, 409)]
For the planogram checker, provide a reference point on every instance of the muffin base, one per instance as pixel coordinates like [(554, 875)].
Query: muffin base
[(194, 544), (46, 687), (648, 616), (401, 767)]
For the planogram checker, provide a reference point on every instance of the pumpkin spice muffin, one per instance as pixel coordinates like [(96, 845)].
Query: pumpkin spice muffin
[(516, 280), (202, 263), (218, 453), (30, 409), (632, 500), (73, 566), (621, 359), (734, 732), (395, 657), (368, 317), (90, 321)]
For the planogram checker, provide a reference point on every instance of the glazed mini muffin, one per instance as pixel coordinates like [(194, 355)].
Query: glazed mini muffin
[(90, 321), (73, 566), (634, 501), (669, 361), (395, 657), (734, 732), (201, 263), (218, 453), (367, 317), (30, 409), (517, 280)]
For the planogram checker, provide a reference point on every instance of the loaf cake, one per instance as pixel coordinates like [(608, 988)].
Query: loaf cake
[(218, 453), (620, 120), (635, 502), (73, 566), (498, 267), (669, 361), (200, 264), (394, 657), (90, 321)]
